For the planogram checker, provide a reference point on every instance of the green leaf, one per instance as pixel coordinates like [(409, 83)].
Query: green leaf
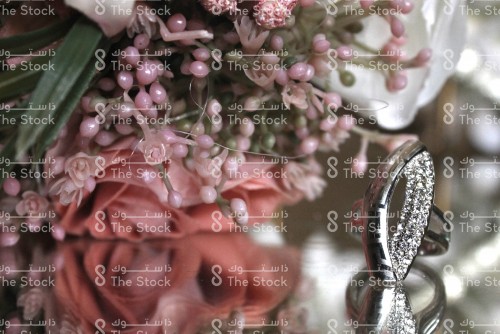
[(20, 44), (7, 155), (19, 81), (62, 86), (64, 111)]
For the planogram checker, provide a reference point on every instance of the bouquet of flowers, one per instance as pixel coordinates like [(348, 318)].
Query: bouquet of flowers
[(136, 119)]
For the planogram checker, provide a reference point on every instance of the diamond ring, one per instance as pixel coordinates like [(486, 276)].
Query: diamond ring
[(421, 228), (388, 310)]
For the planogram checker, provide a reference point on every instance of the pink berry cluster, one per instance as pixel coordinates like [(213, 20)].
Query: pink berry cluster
[(213, 92), (391, 53)]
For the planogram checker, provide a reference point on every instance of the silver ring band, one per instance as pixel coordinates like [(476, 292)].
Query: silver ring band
[(387, 310), (422, 227)]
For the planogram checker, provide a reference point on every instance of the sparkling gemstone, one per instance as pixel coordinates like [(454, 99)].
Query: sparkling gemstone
[(419, 191), (401, 318)]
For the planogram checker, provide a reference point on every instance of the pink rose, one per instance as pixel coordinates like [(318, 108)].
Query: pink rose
[(130, 200), (184, 283)]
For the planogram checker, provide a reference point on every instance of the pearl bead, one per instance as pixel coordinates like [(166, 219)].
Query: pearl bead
[(143, 100), (147, 73), (247, 127), (131, 55), (201, 54), (213, 108), (105, 138), (397, 27), (141, 41), (198, 129), (309, 73), (321, 45), (297, 71), (205, 142), (423, 57), (407, 7), (125, 80), (238, 205), (277, 43), (199, 69), (158, 93), (176, 23), (397, 82), (344, 52), (11, 186), (174, 199), (243, 143), (8, 239), (180, 151), (309, 145), (208, 194), (89, 127), (333, 100)]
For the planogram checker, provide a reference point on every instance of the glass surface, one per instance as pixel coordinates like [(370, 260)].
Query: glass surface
[(294, 276)]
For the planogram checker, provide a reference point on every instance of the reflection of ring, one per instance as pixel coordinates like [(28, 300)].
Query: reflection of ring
[(421, 228), (387, 310)]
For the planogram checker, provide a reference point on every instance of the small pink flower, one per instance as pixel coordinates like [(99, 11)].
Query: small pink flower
[(331, 140), (155, 148), (304, 177), (32, 204), (80, 167), (67, 191), (209, 169), (252, 37), (296, 94), (218, 7), (273, 13), (265, 73), (31, 302)]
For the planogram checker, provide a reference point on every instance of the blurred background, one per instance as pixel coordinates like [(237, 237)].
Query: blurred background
[(462, 131)]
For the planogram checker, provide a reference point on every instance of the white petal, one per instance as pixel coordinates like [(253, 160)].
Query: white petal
[(111, 15), (446, 26), (433, 23)]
